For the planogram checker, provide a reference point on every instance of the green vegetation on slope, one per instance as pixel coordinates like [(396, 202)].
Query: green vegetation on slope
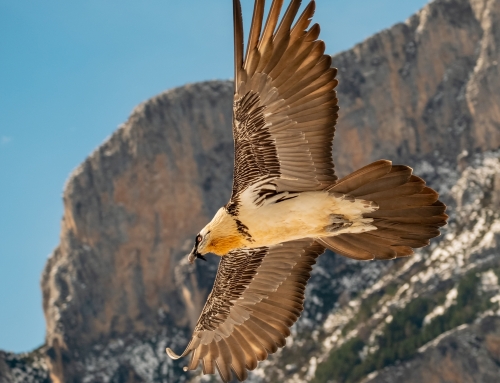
[(342, 364), (402, 337), (366, 309)]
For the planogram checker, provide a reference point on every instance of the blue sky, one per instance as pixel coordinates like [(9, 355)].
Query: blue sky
[(71, 72)]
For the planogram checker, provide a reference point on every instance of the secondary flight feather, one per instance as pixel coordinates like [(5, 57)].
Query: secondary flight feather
[(287, 205)]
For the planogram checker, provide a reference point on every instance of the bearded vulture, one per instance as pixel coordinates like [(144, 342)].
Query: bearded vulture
[(287, 205)]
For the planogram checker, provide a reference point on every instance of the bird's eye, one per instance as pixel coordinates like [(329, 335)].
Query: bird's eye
[(198, 238)]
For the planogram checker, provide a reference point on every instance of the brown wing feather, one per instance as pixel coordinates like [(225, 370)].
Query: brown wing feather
[(253, 39), (289, 80), (238, 41), (251, 307)]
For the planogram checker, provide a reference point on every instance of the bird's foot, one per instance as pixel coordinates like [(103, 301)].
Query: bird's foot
[(338, 222)]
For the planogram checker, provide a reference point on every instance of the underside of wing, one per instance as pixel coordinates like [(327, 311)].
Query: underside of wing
[(257, 296), (285, 106)]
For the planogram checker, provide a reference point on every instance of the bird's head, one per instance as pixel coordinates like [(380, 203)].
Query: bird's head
[(220, 236), (200, 244)]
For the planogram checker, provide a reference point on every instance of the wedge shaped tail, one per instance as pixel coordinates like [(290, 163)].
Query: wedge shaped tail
[(409, 213)]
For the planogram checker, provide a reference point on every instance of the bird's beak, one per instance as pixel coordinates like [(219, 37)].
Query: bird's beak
[(194, 254)]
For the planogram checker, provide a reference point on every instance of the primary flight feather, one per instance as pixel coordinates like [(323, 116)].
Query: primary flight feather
[(287, 204)]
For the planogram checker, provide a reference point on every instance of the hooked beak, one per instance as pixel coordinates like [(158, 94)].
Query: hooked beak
[(194, 254)]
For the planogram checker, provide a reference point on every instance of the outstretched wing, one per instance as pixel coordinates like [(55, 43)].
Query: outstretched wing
[(285, 106), (257, 296)]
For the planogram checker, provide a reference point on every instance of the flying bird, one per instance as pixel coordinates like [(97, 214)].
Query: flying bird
[(287, 205)]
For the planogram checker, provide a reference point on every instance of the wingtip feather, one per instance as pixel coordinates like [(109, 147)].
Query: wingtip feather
[(172, 354), (238, 41)]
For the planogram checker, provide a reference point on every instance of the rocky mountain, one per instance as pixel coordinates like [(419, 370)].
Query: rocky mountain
[(118, 289)]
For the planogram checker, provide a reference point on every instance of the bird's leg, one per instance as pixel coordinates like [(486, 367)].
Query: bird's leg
[(338, 222)]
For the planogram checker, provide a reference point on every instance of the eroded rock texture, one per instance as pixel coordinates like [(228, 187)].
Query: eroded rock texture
[(24, 368), (132, 210), (117, 290), (426, 87)]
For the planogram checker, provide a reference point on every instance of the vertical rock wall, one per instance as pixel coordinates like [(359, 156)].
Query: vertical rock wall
[(131, 211), (424, 88)]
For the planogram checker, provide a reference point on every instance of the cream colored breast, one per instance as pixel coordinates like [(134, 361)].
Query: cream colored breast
[(307, 215), (300, 217)]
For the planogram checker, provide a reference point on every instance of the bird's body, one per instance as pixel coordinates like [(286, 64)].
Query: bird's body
[(287, 217), (287, 205)]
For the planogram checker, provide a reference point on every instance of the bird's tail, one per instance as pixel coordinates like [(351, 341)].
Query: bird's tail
[(408, 214)]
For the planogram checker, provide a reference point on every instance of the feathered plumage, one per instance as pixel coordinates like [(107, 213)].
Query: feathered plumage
[(287, 205)]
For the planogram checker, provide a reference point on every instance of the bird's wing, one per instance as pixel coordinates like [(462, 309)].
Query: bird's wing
[(285, 106), (257, 296)]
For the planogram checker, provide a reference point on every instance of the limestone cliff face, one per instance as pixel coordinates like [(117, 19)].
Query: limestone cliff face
[(424, 88), (131, 211), (117, 289)]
